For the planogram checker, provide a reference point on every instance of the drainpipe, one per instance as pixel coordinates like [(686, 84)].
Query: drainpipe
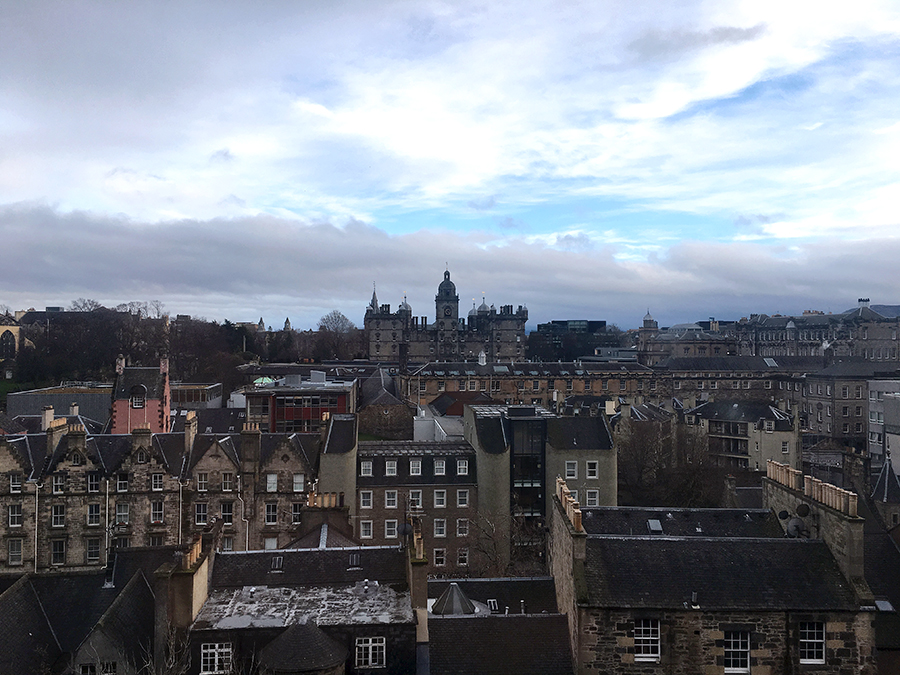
[(243, 514), (180, 514), (37, 518), (106, 543)]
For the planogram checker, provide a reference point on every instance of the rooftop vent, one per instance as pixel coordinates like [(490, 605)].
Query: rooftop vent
[(654, 526)]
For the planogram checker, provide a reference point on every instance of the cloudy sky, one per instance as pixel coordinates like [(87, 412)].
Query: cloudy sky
[(587, 159)]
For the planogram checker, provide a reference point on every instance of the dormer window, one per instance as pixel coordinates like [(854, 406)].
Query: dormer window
[(138, 396), (77, 459), (141, 457)]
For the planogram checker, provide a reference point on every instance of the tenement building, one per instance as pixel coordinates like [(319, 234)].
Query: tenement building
[(397, 336)]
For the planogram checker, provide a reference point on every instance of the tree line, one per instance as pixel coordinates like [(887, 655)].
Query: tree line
[(82, 344)]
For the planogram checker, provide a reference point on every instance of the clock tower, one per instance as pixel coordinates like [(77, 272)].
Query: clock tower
[(446, 303)]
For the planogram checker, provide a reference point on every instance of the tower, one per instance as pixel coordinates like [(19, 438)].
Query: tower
[(446, 303)]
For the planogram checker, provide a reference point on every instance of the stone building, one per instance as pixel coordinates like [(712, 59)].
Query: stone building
[(435, 482), (141, 398), (68, 498), (399, 336), (668, 591)]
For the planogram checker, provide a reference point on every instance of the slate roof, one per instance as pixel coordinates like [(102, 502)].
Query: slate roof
[(32, 423), (9, 426), (857, 368), (726, 573), (333, 538), (302, 647), (526, 369), (743, 411), (309, 567), (379, 389), (27, 641), (887, 485), (582, 432), (414, 448), (539, 593), (500, 645), (341, 437), (212, 420), (453, 601), (749, 364), (674, 522), (151, 378), (452, 402)]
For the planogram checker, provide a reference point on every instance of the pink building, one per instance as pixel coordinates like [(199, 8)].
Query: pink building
[(141, 399)]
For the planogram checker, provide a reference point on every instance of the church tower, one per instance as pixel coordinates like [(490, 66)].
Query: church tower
[(446, 303)]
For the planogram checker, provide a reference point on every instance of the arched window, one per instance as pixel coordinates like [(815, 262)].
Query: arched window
[(138, 396), (7, 345)]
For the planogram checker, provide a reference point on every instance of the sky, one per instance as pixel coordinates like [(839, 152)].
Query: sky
[(589, 160)]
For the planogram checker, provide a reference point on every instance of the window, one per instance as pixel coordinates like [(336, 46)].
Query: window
[(15, 483), (769, 425), (462, 467), (365, 467), (296, 513), (14, 550), (122, 513), (92, 550), (812, 642), (227, 543), (462, 527), (365, 529), (440, 499), (59, 484), (299, 482), (439, 467), (462, 557), (108, 668), (785, 447), (440, 557), (215, 657), (370, 652), (415, 499), (58, 515), (462, 498), (737, 651), (156, 512), (202, 482), (93, 514), (390, 499), (58, 552), (390, 467), (227, 510), (440, 527), (859, 411), (141, 457), (271, 513), (592, 469), (390, 529), (15, 515), (201, 512), (592, 498), (227, 482), (415, 467), (122, 482), (271, 482), (365, 499), (156, 482), (571, 470), (646, 639), (87, 669), (535, 385)]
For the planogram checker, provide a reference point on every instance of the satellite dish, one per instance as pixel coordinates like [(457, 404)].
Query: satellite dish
[(803, 510), (796, 528), (783, 515)]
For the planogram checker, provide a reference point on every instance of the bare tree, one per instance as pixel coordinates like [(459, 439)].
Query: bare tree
[(337, 337), (84, 305)]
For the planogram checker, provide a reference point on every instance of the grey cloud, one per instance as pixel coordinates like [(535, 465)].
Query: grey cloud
[(223, 155), (657, 45), (511, 224), (243, 267), (575, 242), (484, 203)]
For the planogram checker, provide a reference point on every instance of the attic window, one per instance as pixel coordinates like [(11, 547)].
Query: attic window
[(277, 563), (141, 457), (492, 605), (77, 459), (138, 396), (354, 560)]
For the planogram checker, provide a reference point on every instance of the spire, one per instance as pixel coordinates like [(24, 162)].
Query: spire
[(374, 304)]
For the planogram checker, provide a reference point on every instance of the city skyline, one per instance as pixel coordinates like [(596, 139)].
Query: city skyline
[(589, 161)]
